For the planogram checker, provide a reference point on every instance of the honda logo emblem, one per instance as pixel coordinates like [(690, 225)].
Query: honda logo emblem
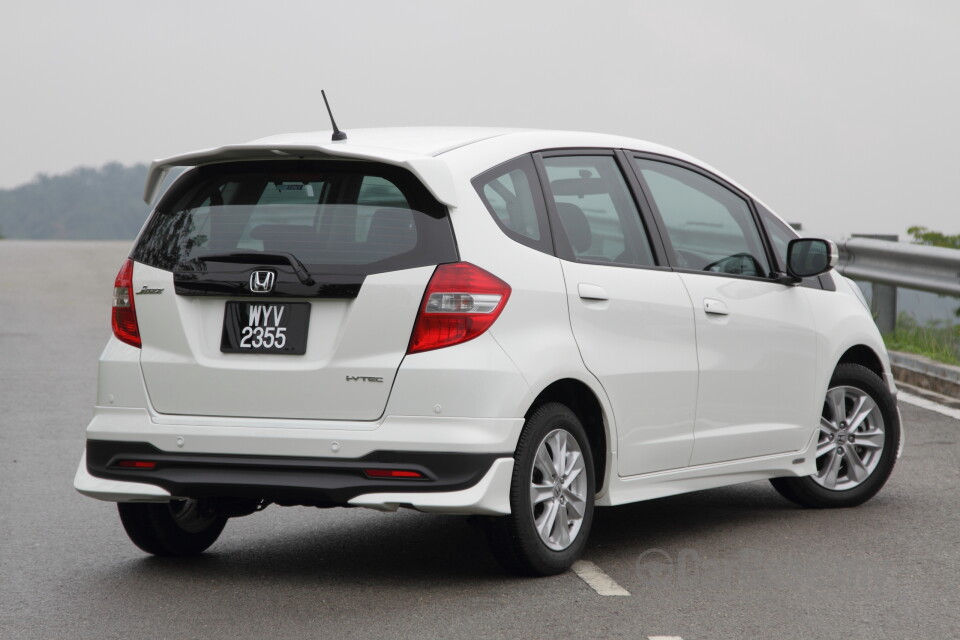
[(262, 281)]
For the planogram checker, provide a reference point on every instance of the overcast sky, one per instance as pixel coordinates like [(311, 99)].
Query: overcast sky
[(842, 115)]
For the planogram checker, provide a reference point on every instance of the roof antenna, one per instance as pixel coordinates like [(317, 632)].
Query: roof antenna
[(337, 134)]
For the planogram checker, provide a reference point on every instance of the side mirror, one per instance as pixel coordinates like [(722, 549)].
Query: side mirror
[(807, 257)]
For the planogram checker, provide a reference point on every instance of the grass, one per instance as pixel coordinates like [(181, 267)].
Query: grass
[(933, 341)]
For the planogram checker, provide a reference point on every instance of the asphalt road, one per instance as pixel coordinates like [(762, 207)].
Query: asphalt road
[(738, 562)]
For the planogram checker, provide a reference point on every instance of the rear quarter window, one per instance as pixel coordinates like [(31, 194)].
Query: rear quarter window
[(511, 193)]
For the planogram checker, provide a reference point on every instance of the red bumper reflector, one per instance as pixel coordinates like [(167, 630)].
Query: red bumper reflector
[(392, 473), (137, 464)]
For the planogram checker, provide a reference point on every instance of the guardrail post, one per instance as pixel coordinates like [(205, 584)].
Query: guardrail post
[(883, 302)]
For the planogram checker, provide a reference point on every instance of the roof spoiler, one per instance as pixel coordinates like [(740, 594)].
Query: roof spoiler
[(431, 171)]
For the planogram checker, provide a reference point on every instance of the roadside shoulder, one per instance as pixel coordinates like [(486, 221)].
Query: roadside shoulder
[(927, 376)]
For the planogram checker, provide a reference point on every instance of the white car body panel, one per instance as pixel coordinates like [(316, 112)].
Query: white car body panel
[(708, 476), (320, 438), (477, 379), (758, 360), (842, 323), (120, 380), (489, 497), (115, 490), (186, 373), (638, 339)]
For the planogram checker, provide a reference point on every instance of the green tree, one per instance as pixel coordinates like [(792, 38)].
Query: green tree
[(922, 235)]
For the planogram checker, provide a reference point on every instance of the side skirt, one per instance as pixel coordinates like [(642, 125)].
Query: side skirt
[(710, 476)]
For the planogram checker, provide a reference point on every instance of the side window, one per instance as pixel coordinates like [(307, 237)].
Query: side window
[(598, 215), (710, 227), (511, 194)]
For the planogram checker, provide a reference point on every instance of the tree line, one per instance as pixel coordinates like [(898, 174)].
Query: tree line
[(85, 204)]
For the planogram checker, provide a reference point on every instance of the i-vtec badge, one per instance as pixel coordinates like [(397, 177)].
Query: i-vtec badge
[(262, 281), (363, 379)]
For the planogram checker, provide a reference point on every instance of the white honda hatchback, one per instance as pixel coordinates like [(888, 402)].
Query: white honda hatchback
[(514, 324)]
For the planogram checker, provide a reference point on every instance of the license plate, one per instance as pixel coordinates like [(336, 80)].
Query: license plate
[(257, 327)]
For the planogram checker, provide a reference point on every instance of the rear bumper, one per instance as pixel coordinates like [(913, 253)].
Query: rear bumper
[(322, 482), (467, 461), (306, 438), (301, 481), (116, 490)]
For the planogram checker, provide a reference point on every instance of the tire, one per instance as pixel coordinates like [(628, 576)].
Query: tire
[(857, 445), (562, 507), (176, 528)]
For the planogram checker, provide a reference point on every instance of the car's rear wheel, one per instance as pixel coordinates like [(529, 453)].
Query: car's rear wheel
[(176, 528), (857, 445), (551, 496)]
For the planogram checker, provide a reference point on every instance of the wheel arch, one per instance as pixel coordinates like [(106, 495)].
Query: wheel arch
[(582, 400), (864, 356)]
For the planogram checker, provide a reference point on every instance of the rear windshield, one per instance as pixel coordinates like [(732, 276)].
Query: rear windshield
[(334, 217)]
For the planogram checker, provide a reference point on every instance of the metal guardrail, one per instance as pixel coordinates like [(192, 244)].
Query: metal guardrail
[(889, 265), (933, 269)]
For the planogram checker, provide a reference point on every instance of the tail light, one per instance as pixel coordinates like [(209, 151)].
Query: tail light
[(461, 302), (124, 311)]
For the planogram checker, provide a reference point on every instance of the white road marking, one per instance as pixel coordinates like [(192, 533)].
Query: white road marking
[(597, 579), (664, 638), (930, 405)]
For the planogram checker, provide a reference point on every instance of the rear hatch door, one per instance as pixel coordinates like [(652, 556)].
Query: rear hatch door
[(284, 289)]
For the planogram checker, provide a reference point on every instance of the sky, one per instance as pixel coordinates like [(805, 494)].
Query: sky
[(840, 115)]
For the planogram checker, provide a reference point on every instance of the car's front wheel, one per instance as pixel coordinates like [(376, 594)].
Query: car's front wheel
[(857, 444), (176, 528), (551, 496)]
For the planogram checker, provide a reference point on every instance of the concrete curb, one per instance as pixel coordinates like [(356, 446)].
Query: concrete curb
[(926, 373)]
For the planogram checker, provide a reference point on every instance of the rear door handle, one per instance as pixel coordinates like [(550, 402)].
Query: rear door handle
[(592, 292), (715, 307)]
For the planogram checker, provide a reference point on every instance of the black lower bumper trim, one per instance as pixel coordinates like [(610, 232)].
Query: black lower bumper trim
[(282, 479)]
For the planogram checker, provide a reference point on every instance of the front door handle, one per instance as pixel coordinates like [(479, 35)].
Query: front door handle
[(715, 307), (592, 292)]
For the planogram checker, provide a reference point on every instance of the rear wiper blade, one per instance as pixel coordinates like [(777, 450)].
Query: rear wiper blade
[(254, 257)]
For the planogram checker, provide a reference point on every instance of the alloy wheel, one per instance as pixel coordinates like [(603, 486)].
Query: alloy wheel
[(852, 433), (558, 489)]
